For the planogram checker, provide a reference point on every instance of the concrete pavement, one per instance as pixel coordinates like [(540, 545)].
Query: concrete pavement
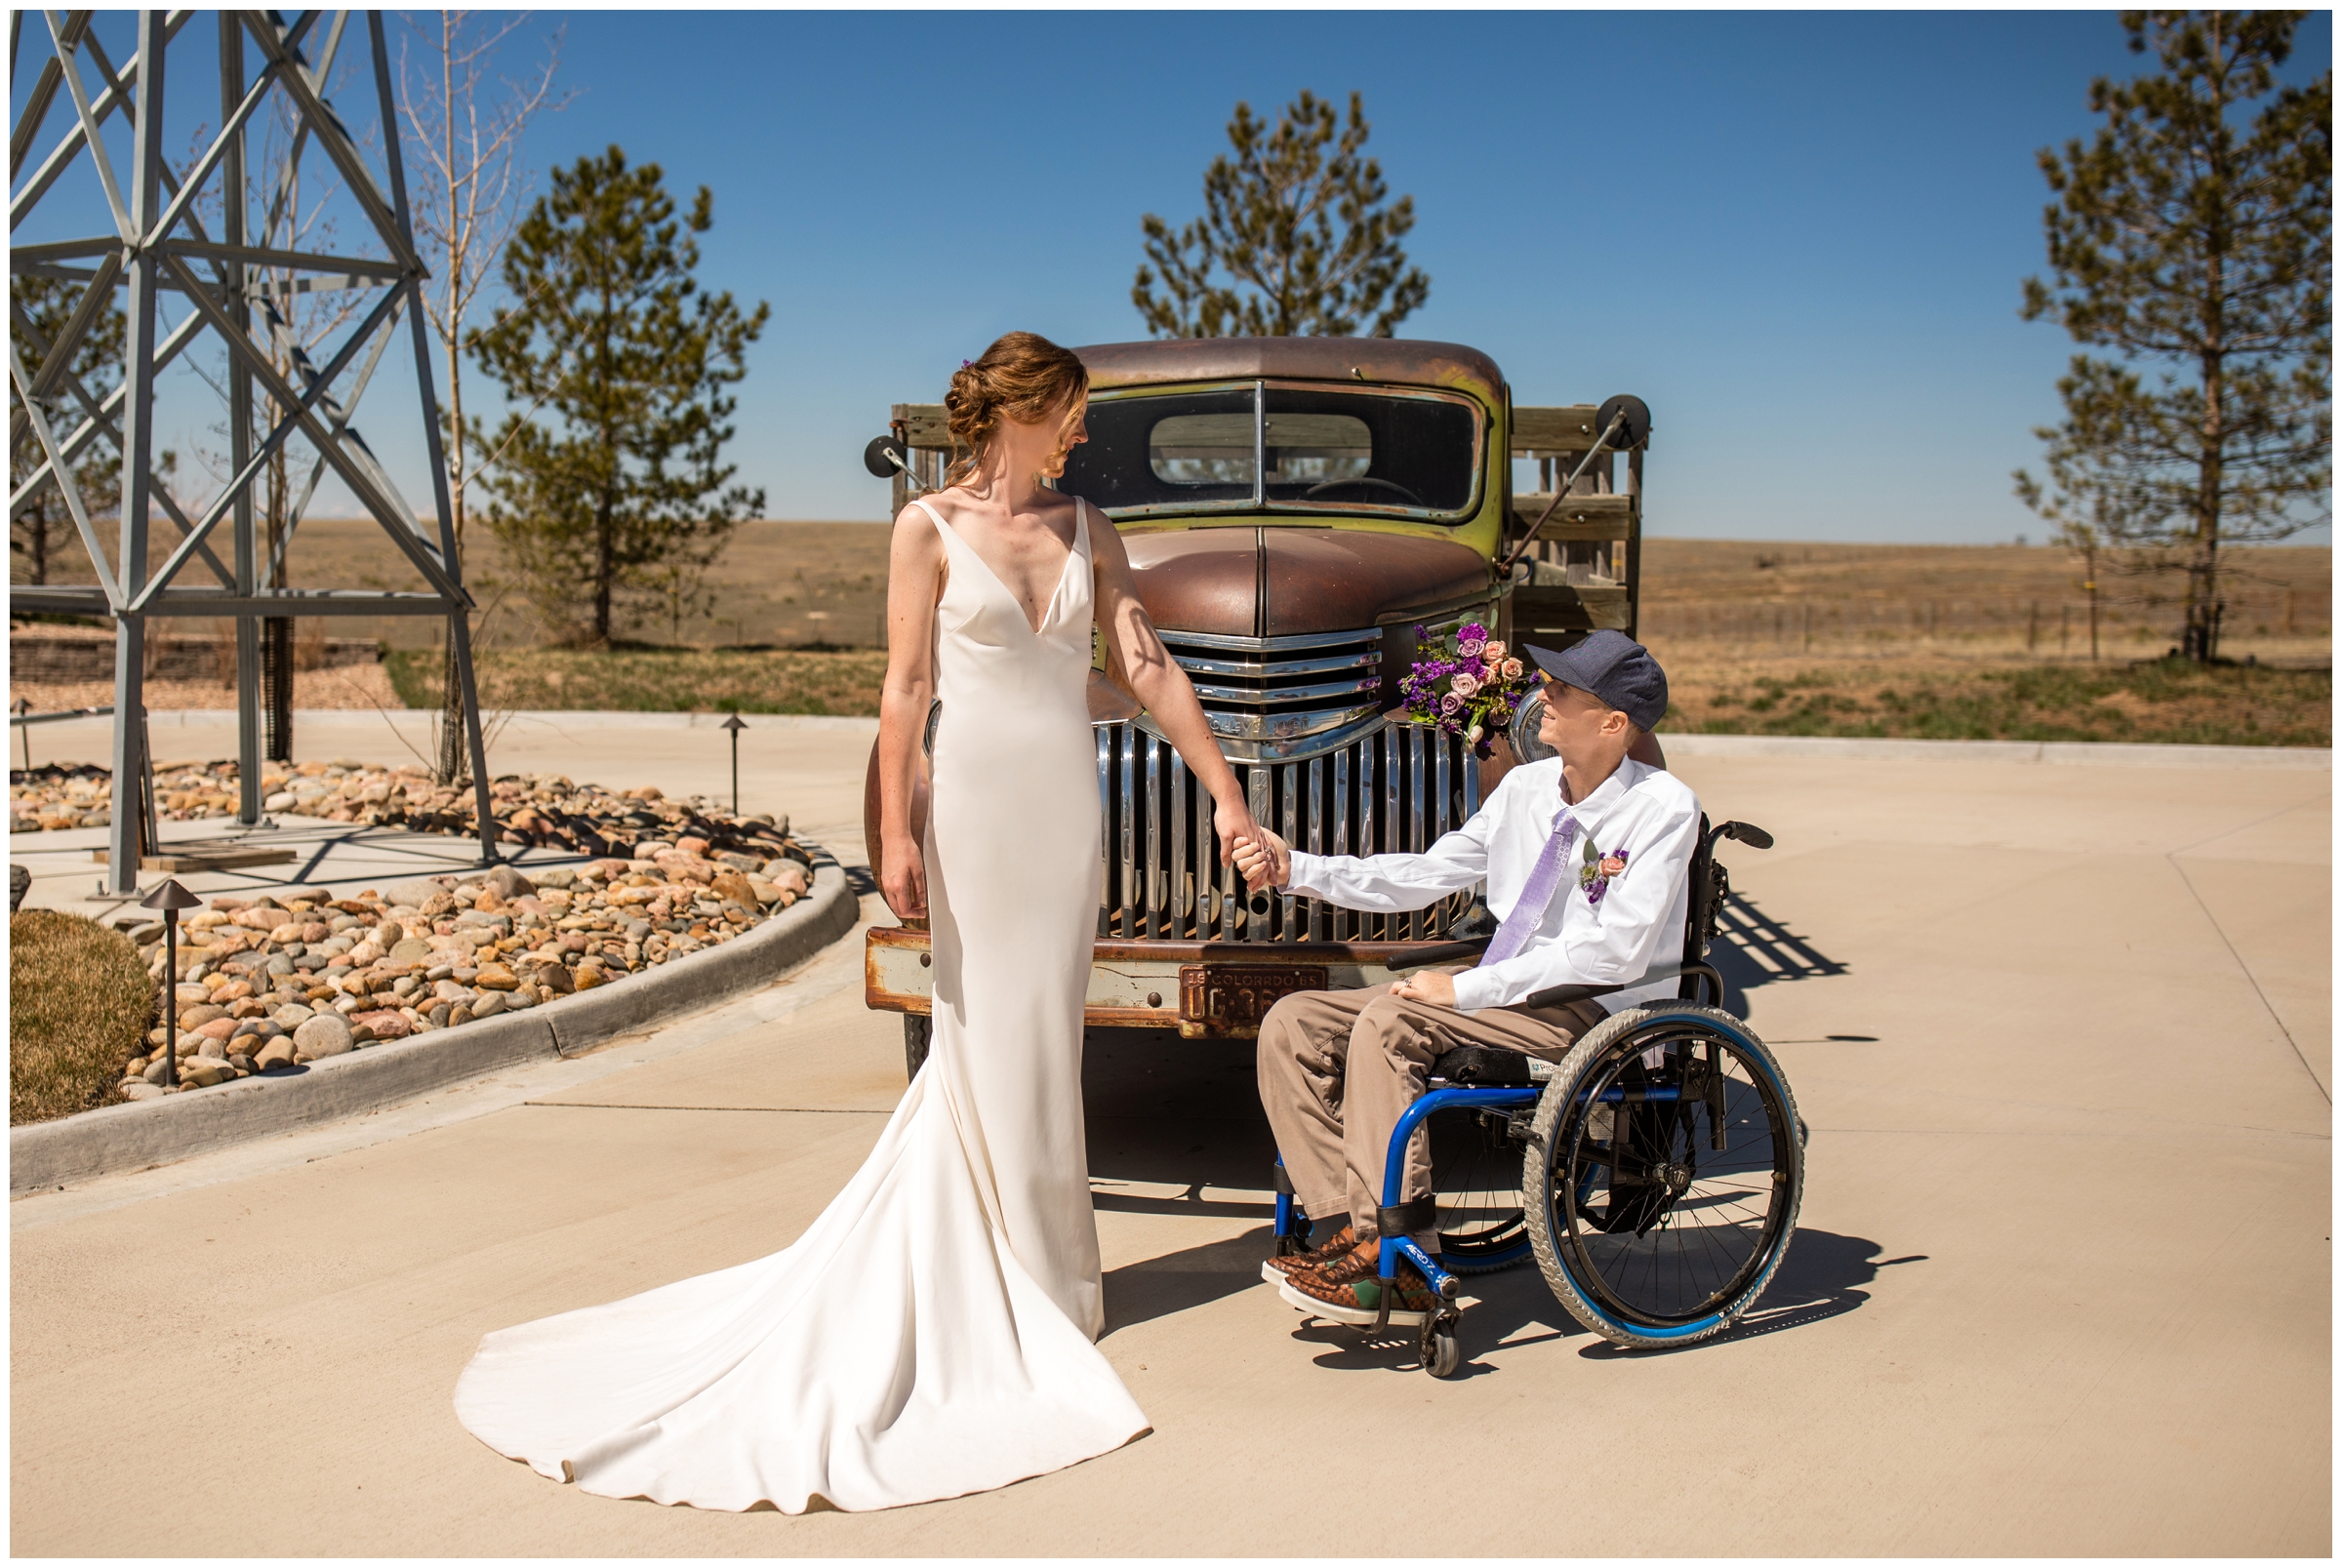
[(2062, 1282)]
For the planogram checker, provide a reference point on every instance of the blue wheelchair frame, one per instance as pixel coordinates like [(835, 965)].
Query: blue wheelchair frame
[(1293, 1223), (1293, 1220)]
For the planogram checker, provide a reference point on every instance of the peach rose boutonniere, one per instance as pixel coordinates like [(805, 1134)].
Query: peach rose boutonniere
[(1595, 874)]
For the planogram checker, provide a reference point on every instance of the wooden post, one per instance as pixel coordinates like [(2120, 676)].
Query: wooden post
[(1634, 544)]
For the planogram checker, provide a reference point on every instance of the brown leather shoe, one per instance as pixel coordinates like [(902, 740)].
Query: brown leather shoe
[(1274, 1269), (1350, 1290)]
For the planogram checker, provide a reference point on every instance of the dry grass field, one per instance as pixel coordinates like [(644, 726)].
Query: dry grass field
[(1853, 639)]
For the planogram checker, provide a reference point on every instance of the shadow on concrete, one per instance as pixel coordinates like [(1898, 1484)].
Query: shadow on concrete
[(1167, 1112), (1752, 949), (1820, 1279), (1139, 1293)]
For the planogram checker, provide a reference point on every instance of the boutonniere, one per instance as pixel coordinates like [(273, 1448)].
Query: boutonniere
[(1594, 875)]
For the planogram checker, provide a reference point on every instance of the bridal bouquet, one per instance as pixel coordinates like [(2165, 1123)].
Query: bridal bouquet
[(1469, 687)]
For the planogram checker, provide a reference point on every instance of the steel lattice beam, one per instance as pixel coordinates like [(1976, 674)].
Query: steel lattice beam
[(158, 246)]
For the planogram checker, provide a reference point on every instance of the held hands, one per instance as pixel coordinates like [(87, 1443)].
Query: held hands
[(1266, 859), (1239, 832)]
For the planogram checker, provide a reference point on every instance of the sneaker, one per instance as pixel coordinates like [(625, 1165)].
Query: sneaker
[(1275, 1269), (1349, 1291)]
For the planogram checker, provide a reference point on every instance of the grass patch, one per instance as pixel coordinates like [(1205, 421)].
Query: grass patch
[(78, 1007), (659, 680), (2167, 700)]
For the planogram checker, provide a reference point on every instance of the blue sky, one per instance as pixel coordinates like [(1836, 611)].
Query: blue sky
[(1799, 236)]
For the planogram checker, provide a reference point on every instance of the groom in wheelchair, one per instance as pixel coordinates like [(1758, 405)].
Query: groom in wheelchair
[(1587, 853)]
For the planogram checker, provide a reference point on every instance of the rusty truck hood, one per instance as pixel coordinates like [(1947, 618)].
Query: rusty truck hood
[(1286, 582)]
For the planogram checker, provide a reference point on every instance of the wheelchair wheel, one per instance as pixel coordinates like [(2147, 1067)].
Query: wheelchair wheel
[(1666, 1168), (1438, 1346), (1475, 1181), (917, 1029)]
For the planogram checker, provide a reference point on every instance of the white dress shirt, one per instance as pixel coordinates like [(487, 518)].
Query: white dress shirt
[(1636, 927)]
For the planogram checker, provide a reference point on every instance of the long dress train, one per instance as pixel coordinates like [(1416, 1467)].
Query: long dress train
[(930, 1334)]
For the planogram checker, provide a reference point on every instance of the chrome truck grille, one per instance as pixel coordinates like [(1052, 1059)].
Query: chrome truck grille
[(1272, 699), (1396, 788)]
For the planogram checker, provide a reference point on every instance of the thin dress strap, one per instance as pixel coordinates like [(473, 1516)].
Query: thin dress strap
[(920, 502)]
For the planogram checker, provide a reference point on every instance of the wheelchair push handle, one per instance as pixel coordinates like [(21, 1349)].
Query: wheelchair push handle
[(1748, 833)]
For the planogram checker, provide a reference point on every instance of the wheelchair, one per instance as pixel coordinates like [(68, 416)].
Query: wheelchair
[(1654, 1173)]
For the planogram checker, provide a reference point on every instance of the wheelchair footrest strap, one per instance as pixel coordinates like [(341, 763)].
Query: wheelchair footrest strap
[(1417, 1214)]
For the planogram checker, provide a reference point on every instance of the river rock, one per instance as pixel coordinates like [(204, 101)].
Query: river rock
[(195, 1017), (293, 1014), (276, 1056), (731, 884), (409, 950), (388, 1023), (488, 1004), (508, 883), (495, 978), (204, 1071), (326, 1034)]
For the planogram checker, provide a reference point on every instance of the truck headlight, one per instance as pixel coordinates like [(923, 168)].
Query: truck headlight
[(1523, 731)]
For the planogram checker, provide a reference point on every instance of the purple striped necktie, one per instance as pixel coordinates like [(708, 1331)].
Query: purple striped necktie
[(1544, 878)]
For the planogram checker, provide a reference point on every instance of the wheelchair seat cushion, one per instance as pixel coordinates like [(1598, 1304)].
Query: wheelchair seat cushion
[(1483, 1066)]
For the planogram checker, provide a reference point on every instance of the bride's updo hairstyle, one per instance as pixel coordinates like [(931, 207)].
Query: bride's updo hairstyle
[(1022, 377)]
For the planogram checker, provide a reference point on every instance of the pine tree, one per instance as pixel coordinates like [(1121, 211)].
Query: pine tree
[(1293, 242), (2199, 250), (609, 335)]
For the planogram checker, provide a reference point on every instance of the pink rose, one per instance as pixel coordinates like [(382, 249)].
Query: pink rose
[(1464, 686), (1451, 703), (1510, 670), (1470, 647), (1495, 650)]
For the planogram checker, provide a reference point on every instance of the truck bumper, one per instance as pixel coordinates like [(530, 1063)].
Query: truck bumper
[(1137, 984)]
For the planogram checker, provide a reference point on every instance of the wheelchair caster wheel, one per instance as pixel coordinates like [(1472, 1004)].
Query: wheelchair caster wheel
[(1441, 1355)]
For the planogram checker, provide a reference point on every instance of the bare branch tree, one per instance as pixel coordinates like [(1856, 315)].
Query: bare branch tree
[(465, 125)]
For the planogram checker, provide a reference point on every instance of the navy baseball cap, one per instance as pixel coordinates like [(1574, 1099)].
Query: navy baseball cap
[(1614, 667)]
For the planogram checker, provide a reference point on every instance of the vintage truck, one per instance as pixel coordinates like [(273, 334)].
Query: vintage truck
[(1295, 508)]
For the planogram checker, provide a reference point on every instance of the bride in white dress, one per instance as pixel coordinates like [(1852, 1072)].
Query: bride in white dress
[(931, 1333)]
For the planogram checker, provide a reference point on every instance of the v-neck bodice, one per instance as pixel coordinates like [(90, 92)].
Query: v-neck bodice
[(956, 548)]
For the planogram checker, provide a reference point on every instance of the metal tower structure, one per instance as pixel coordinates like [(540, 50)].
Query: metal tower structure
[(159, 245)]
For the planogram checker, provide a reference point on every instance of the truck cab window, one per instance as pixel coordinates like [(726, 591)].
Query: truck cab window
[(1327, 451), (1346, 452)]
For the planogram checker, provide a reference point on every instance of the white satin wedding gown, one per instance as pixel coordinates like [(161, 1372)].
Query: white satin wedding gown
[(930, 1334)]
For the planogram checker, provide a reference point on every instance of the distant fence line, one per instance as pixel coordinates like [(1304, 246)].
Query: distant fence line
[(1796, 622)]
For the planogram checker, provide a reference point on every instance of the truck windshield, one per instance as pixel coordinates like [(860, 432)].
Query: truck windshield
[(1283, 448)]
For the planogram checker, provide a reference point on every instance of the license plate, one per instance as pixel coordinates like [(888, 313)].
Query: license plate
[(1230, 999)]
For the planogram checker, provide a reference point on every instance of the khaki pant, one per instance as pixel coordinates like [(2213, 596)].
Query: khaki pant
[(1337, 1069)]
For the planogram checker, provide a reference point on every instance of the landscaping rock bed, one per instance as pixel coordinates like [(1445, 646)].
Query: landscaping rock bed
[(544, 810), (266, 984)]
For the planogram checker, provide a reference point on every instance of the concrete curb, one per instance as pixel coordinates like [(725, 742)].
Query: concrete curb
[(155, 1132), (2083, 753)]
